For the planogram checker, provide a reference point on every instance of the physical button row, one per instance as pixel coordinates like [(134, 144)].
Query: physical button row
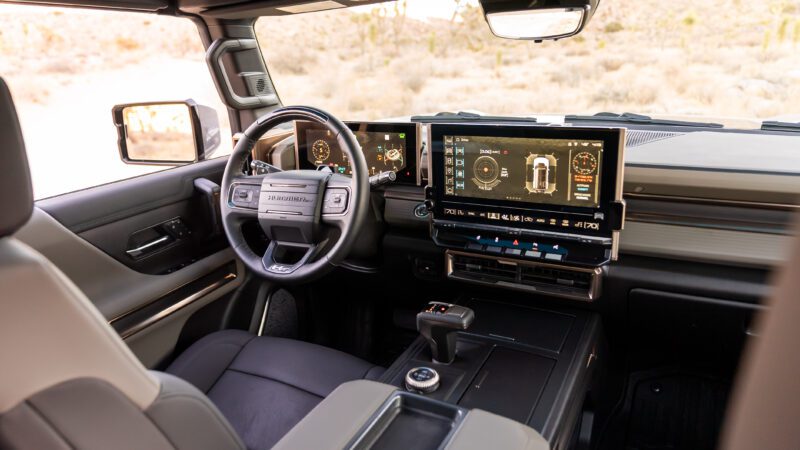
[(514, 252)]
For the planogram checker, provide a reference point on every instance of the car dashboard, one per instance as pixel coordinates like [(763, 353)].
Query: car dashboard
[(548, 209)]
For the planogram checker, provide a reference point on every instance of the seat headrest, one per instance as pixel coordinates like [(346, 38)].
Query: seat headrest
[(16, 193)]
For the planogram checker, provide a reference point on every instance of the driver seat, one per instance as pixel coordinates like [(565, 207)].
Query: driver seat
[(69, 381)]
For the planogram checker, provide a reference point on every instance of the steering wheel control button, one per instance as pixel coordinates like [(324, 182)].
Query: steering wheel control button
[(245, 196), (422, 380), (335, 201)]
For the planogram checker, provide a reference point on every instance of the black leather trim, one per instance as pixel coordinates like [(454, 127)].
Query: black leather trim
[(265, 385), (16, 191)]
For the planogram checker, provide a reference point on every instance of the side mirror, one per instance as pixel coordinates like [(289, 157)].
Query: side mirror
[(538, 20), (166, 133)]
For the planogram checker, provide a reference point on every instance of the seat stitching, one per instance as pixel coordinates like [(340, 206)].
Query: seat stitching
[(277, 381), (363, 377), (225, 425), (236, 355), (49, 423)]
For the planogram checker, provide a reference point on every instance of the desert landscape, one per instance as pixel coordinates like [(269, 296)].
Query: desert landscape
[(732, 59)]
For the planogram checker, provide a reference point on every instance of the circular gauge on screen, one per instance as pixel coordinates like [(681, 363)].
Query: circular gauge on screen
[(321, 150), (486, 169), (393, 157), (584, 163)]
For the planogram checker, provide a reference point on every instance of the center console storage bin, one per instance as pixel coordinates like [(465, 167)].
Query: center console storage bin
[(509, 383), (410, 421)]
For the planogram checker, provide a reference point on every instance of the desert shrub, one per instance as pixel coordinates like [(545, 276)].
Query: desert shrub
[(126, 44)]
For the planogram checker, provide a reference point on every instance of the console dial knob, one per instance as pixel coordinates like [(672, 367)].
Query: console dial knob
[(423, 380)]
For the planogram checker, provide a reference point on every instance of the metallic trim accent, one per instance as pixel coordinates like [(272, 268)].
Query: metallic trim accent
[(422, 385), (711, 201), (138, 250), (592, 294), (124, 334), (480, 227), (284, 185), (419, 153), (620, 164), (714, 224), (288, 213), (264, 316), (618, 190)]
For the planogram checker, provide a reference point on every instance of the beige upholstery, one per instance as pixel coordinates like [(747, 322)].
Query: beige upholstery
[(482, 430), (341, 416), (51, 333), (337, 419), (765, 410)]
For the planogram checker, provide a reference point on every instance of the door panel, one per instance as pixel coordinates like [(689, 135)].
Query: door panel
[(147, 299)]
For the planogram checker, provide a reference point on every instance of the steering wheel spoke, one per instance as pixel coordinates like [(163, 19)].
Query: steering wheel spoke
[(279, 252)]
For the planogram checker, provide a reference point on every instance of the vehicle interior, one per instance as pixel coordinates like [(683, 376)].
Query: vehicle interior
[(434, 279)]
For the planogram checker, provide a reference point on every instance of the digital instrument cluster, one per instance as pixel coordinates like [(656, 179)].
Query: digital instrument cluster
[(387, 147), (550, 193)]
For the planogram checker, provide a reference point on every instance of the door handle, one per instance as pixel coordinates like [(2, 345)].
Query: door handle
[(142, 249)]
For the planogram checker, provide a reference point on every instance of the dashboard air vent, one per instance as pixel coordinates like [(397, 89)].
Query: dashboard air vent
[(485, 268), (636, 138), (531, 276)]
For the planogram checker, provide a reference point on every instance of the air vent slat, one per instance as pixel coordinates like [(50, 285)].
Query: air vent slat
[(635, 138), (541, 278)]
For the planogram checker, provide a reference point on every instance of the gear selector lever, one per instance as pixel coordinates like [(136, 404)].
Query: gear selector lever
[(438, 323)]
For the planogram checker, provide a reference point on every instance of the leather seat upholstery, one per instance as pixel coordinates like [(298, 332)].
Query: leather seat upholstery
[(265, 385), (68, 381)]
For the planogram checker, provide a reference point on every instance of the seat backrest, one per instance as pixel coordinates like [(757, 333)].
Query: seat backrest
[(67, 379), (765, 409)]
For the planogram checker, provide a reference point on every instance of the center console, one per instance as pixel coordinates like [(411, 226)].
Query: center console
[(532, 208), (367, 415), (530, 365)]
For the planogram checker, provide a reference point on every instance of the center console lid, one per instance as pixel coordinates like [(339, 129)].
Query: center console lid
[(368, 415)]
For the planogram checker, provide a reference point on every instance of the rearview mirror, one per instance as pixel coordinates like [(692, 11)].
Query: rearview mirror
[(166, 133), (537, 20)]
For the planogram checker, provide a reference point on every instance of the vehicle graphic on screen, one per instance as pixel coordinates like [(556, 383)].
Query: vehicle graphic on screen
[(541, 172), (541, 177)]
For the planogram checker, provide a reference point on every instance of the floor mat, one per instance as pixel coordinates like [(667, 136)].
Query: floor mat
[(674, 410)]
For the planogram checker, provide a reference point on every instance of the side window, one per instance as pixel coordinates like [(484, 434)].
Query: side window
[(67, 69)]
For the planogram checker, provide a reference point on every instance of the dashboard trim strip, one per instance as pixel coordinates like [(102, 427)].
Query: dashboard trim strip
[(136, 320)]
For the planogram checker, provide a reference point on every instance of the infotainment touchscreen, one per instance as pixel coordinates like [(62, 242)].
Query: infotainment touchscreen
[(534, 170), (386, 147), (553, 179)]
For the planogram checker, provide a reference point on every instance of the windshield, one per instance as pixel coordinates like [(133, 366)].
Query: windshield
[(701, 59)]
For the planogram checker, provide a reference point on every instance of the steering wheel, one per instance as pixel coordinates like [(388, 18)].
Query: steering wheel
[(300, 211)]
